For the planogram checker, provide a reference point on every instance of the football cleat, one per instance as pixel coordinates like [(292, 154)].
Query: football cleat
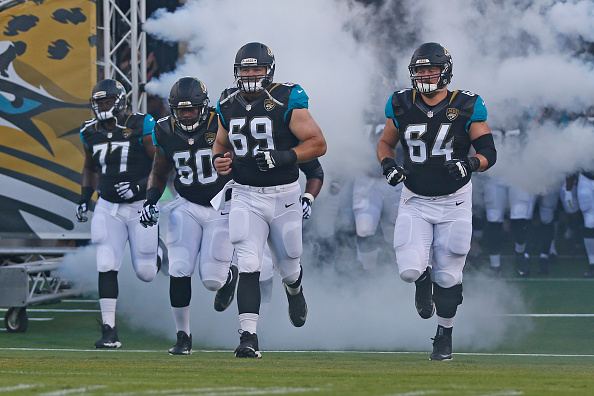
[(494, 272), (225, 294), (590, 272), (424, 295), (297, 308), (109, 338), (442, 348), (522, 261), (183, 346), (248, 346)]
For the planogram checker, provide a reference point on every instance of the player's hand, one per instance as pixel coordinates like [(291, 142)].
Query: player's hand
[(270, 159), (222, 163), (460, 168), (126, 190), (306, 201), (149, 215), (394, 173), (568, 199), (81, 212)]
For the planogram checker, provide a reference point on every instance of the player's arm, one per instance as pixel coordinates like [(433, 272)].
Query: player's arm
[(483, 143), (305, 128), (89, 182), (221, 151), (159, 175), (314, 175), (386, 154)]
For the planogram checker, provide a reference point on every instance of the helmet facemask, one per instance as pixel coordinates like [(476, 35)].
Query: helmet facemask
[(252, 83), (254, 55), (423, 83), (189, 124), (431, 54)]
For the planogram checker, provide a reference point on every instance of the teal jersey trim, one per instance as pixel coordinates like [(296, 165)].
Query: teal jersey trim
[(479, 112), (83, 139), (218, 110), (297, 100), (148, 125), (390, 110)]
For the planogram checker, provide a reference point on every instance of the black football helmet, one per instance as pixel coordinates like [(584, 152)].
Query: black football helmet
[(254, 54), (431, 54), (109, 89), (189, 92)]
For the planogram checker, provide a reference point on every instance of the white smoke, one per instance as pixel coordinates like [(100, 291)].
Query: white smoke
[(520, 56)]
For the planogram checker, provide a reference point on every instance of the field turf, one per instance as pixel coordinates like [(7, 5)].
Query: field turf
[(555, 358)]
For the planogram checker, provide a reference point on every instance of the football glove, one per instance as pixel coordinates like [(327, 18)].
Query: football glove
[(81, 212), (126, 190), (306, 201), (270, 159), (394, 173), (460, 168), (149, 215)]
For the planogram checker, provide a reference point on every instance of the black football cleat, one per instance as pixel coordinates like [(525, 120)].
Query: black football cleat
[(590, 272), (183, 346), (109, 338), (248, 346), (225, 294), (522, 261), (442, 348), (424, 295), (297, 308)]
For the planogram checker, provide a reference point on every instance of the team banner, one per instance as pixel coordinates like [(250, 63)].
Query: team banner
[(47, 71)]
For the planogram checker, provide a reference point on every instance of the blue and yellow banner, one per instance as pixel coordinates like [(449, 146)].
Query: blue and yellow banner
[(48, 68)]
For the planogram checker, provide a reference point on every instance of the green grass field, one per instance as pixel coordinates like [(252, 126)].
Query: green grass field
[(556, 357)]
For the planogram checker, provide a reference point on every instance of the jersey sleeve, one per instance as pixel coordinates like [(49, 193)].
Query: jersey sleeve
[(480, 110), (148, 125), (298, 98), (218, 111), (390, 110), (82, 137)]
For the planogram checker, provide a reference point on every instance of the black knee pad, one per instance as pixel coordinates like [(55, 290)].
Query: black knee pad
[(180, 291), (519, 228), (248, 292), (494, 237), (447, 300), (108, 284)]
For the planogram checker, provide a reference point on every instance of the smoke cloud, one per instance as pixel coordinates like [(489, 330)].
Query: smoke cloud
[(518, 55)]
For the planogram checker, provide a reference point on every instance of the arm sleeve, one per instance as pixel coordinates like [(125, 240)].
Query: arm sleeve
[(390, 111), (312, 169)]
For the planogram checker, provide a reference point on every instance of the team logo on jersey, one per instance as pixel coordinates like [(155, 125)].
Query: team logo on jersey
[(127, 133), (269, 104), (210, 137), (452, 113)]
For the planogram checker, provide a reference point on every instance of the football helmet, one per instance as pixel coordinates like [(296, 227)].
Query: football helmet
[(431, 54), (108, 89), (189, 92), (254, 54)]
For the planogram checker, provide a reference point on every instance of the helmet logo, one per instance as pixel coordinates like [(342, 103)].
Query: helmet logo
[(99, 94), (269, 51), (187, 103), (202, 86), (423, 61), (210, 138), (452, 114), (269, 104)]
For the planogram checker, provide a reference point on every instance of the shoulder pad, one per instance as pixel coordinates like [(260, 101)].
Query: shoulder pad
[(289, 84), (463, 99), (88, 124)]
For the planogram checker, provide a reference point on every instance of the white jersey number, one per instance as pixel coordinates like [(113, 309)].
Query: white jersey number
[(260, 128), (202, 160), (110, 147), (417, 148)]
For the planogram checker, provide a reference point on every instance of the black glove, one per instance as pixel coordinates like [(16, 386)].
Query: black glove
[(460, 168), (394, 173), (268, 159), (126, 190), (149, 215), (81, 211)]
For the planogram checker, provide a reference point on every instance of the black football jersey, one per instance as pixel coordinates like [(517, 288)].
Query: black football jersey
[(431, 135), (119, 154), (191, 154), (261, 124)]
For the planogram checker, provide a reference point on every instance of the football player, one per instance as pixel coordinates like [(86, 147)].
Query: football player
[(265, 129), (437, 128), (585, 196), (184, 142), (118, 158)]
